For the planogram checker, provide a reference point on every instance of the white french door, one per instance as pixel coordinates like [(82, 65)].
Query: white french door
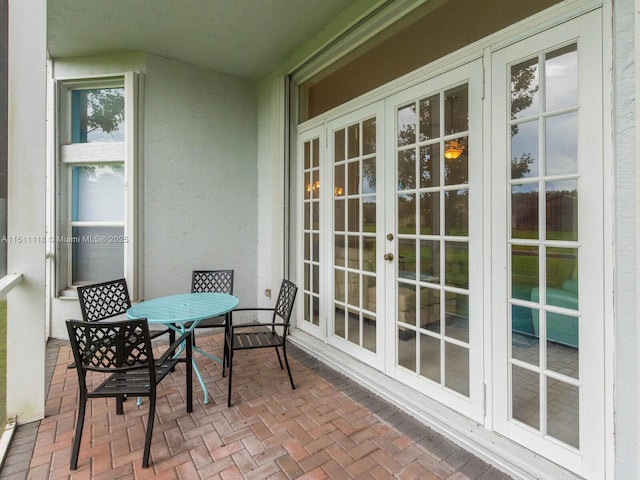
[(452, 238), (547, 216)]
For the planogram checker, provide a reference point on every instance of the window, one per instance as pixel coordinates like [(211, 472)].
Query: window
[(96, 158)]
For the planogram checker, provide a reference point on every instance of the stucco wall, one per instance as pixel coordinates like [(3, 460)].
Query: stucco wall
[(200, 173), (199, 201)]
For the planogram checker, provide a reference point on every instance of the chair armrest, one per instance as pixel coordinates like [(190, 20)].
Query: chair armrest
[(257, 324), (265, 309), (173, 347)]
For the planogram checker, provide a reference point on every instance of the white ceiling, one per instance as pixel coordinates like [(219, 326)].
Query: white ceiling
[(245, 38)]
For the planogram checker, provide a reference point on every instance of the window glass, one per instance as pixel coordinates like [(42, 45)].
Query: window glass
[(97, 115)]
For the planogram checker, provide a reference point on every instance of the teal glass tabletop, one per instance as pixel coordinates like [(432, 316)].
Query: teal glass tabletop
[(185, 307)]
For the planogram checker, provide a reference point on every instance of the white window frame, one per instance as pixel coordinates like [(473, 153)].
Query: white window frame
[(125, 153)]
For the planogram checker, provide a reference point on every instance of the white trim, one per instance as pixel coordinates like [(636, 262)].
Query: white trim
[(8, 282)]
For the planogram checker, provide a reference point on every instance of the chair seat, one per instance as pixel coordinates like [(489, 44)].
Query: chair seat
[(247, 340), (132, 382), (208, 323)]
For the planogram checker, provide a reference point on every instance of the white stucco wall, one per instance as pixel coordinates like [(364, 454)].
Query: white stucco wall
[(199, 151), (200, 174)]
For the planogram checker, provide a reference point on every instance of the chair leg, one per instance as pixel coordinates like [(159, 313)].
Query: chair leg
[(119, 401), (279, 361), (284, 351), (75, 450), (230, 358), (149, 434)]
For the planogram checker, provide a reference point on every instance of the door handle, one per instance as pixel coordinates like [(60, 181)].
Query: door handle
[(388, 256)]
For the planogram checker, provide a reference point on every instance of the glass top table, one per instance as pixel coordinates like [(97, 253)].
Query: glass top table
[(183, 312)]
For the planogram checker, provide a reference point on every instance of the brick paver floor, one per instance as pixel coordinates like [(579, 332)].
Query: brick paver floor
[(329, 427)]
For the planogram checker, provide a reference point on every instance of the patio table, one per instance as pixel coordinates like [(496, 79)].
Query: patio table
[(182, 313)]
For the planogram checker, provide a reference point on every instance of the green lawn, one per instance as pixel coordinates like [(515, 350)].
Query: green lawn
[(3, 360)]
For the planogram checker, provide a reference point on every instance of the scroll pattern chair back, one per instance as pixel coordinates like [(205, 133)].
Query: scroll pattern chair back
[(104, 300), (121, 349), (248, 336), (217, 281)]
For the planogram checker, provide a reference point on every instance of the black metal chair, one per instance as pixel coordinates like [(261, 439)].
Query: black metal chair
[(212, 281), (123, 351), (101, 301), (263, 335)]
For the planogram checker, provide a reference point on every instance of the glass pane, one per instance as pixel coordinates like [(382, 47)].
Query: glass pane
[(562, 274), (525, 89), (525, 271), (316, 153), (525, 157), (369, 136), (407, 258), (353, 327), (369, 254), (407, 125), (430, 118), (524, 211), (98, 254), (525, 400), (339, 214), (430, 166), (340, 291), (457, 264), (316, 279), (353, 215), (430, 261), (97, 115), (456, 110), (561, 75), (353, 178), (307, 246), (339, 250), (307, 276), (369, 175), (407, 348), (98, 193), (369, 334), (563, 412), (561, 144), (407, 169), (316, 248), (456, 165), (369, 292), (407, 214), (430, 357), (561, 358), (307, 185), (340, 319), (339, 146), (353, 294), (315, 184), (525, 345), (456, 213), (456, 368), (430, 213), (339, 185), (307, 316), (353, 252), (353, 141), (407, 303), (562, 210), (457, 316), (430, 309), (307, 155), (562, 329), (316, 311), (369, 213)]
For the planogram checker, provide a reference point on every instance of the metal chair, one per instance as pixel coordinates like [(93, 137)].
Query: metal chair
[(101, 301), (263, 335), (122, 350)]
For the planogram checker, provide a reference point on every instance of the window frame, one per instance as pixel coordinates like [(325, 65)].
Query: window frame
[(68, 155)]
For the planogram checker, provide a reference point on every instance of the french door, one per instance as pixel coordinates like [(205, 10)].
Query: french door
[(452, 238)]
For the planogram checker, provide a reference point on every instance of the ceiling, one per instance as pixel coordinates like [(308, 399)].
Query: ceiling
[(244, 38)]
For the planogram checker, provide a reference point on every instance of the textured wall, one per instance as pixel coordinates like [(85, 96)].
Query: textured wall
[(200, 173)]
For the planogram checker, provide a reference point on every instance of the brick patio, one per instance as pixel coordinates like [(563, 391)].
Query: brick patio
[(329, 427)]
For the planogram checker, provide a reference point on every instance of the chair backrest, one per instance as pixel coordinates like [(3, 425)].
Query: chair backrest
[(286, 298), (111, 347), (212, 281), (104, 300)]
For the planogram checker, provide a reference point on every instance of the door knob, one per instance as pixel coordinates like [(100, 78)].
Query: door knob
[(388, 256), (389, 236)]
